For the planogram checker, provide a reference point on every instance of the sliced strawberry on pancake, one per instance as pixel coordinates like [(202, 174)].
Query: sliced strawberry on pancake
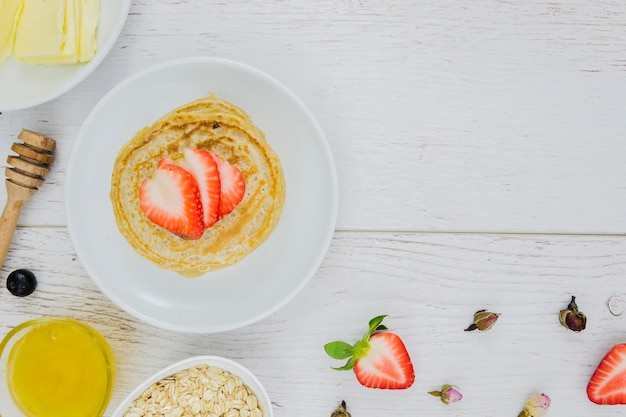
[(201, 165), (170, 198), (233, 186)]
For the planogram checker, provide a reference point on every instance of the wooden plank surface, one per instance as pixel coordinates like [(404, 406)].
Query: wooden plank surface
[(499, 116), (429, 284), (480, 151)]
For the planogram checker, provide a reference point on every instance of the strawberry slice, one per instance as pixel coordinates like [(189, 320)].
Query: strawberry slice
[(233, 186), (201, 165), (379, 359), (170, 199), (387, 365), (607, 385)]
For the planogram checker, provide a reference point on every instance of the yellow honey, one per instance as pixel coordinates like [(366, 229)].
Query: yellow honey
[(60, 368)]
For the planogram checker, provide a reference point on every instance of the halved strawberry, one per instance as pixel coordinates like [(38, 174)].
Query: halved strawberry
[(201, 165), (233, 186), (170, 199), (607, 385), (379, 359)]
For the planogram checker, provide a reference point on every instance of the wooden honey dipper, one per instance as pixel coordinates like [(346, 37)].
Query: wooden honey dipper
[(24, 177)]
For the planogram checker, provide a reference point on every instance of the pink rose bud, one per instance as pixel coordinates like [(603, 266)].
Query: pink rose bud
[(483, 320), (536, 406), (571, 318), (451, 395), (448, 394)]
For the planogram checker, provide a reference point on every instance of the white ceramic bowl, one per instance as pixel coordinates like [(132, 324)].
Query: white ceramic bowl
[(263, 281), (233, 367), (23, 85)]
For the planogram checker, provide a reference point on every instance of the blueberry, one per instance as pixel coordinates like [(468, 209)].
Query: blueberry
[(21, 282)]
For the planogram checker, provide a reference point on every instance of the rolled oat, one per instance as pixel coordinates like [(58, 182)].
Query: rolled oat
[(200, 391)]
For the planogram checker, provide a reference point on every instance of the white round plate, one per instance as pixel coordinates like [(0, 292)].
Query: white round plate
[(23, 85), (234, 368), (263, 281)]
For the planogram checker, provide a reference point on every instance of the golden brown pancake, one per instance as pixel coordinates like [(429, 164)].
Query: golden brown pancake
[(220, 127)]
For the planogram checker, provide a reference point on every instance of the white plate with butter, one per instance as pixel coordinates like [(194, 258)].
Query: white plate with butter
[(266, 279), (24, 85)]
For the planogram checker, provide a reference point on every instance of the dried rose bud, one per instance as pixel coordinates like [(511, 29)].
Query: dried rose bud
[(483, 320), (536, 406), (341, 411), (571, 318), (448, 394)]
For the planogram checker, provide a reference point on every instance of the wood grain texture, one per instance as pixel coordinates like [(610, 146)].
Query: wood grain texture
[(429, 284), (495, 116), (501, 120)]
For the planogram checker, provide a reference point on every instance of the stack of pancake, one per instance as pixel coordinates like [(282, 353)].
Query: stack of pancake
[(220, 127)]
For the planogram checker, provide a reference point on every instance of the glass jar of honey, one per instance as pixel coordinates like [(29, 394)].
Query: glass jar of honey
[(55, 367)]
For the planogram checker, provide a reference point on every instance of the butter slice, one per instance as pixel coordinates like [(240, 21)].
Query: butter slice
[(10, 11), (89, 17), (41, 31), (54, 32)]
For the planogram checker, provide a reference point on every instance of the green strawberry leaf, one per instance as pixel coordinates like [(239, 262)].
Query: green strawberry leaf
[(375, 323), (338, 350), (349, 365)]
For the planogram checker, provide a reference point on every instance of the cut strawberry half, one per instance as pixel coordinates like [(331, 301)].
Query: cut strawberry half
[(202, 166), (170, 199), (379, 359), (387, 364), (233, 186), (607, 385)]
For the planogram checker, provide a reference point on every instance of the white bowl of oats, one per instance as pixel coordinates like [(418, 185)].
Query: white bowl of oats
[(199, 386)]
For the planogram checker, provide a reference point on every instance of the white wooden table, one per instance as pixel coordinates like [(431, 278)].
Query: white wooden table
[(481, 153)]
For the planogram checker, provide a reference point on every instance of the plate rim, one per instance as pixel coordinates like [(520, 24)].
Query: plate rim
[(333, 196)]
